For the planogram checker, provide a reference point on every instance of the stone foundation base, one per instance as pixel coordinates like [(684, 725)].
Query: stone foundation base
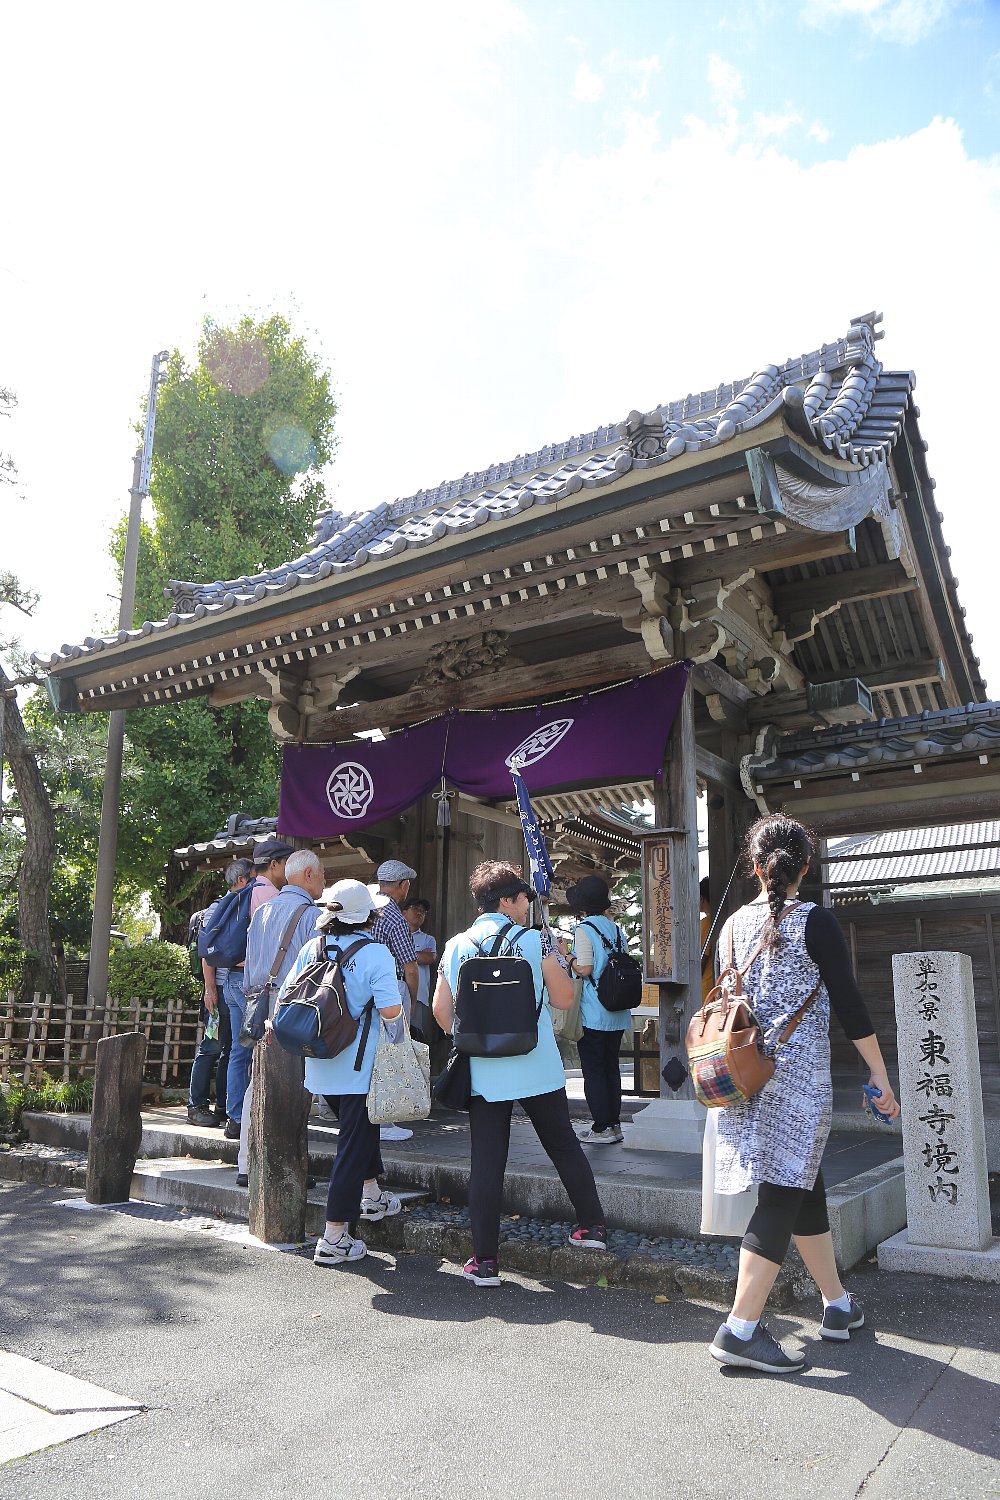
[(898, 1254)]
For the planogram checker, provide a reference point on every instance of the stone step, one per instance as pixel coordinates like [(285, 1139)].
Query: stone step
[(653, 1194)]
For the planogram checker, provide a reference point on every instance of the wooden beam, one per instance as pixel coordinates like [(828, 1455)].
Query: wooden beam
[(785, 551), (515, 685), (711, 767), (907, 673), (819, 595), (887, 810)]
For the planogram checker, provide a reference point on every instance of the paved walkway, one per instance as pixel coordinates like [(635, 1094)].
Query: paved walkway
[(262, 1376)]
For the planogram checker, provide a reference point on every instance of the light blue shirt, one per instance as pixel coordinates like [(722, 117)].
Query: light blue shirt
[(498, 1078), (267, 928), (369, 974), (592, 1013)]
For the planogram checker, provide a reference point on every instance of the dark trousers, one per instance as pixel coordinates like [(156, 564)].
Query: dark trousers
[(490, 1129), (602, 1076), (212, 1057), (359, 1157), (782, 1212)]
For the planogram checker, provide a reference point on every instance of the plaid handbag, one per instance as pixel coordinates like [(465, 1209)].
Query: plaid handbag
[(725, 1044)]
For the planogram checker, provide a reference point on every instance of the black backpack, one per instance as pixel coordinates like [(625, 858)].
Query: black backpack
[(496, 1014), (620, 984), (312, 1018)]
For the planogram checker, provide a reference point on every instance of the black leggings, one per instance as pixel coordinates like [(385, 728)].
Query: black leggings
[(490, 1129), (782, 1212)]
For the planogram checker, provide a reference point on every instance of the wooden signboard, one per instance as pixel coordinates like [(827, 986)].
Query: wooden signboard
[(664, 953)]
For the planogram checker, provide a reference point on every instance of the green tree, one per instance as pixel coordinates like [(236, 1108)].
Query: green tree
[(241, 436)]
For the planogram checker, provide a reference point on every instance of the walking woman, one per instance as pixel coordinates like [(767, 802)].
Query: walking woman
[(369, 974), (595, 936), (535, 1080), (776, 1139)]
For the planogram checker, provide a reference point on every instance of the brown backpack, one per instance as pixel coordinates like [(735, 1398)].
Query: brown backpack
[(724, 1042)]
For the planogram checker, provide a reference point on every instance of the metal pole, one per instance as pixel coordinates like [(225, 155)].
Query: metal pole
[(107, 845)]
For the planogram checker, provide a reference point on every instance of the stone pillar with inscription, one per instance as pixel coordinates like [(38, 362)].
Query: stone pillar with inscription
[(944, 1140)]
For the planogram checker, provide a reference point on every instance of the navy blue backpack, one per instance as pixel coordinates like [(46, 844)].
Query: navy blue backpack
[(222, 940)]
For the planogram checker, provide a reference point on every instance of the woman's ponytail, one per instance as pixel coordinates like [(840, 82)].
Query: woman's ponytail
[(780, 848)]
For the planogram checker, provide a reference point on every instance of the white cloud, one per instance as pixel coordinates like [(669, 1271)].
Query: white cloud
[(588, 86), (904, 21), (641, 70), (726, 83), (819, 132), (773, 126), (705, 310)]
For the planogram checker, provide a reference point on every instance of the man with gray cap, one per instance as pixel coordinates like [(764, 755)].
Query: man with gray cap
[(391, 928)]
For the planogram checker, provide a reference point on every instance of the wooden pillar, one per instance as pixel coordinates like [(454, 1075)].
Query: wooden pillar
[(115, 1120), (278, 1147), (730, 815), (675, 1122)]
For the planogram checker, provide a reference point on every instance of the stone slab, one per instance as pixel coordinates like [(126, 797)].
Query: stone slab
[(41, 1407), (54, 1390), (667, 1125), (898, 1254)]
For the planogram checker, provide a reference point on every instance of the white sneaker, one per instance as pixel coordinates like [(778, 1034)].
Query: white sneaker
[(606, 1137), (394, 1133), (385, 1206), (338, 1254)]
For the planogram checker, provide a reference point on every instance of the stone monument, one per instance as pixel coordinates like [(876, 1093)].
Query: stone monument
[(116, 1118), (944, 1139)]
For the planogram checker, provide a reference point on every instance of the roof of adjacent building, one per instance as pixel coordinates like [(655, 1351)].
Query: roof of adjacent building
[(838, 399), (918, 855), (905, 741)]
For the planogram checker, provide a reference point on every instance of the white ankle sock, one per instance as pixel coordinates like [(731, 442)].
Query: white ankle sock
[(742, 1327), (843, 1304)]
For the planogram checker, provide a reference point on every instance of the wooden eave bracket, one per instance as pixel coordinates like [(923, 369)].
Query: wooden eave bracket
[(295, 699)]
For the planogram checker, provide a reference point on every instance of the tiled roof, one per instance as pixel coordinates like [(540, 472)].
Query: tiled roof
[(920, 737), (918, 854), (838, 397)]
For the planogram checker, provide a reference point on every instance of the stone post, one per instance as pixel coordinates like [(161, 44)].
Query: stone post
[(116, 1119), (944, 1138), (278, 1147)]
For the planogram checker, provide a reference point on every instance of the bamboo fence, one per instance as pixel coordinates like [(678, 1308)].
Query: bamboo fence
[(42, 1036)]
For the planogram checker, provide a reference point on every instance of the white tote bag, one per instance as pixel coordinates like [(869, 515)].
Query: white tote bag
[(721, 1213), (401, 1080)]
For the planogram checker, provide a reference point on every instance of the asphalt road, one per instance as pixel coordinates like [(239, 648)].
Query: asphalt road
[(264, 1376)]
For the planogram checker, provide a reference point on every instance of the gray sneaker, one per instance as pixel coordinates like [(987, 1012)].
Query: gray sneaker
[(761, 1352), (838, 1324)]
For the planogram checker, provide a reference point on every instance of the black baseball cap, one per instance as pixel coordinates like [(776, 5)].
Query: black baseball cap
[(514, 888), (271, 849)]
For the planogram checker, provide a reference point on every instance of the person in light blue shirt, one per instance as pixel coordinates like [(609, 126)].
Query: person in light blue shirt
[(601, 1041), (372, 995), (536, 1080)]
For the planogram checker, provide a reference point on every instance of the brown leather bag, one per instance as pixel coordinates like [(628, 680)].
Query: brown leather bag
[(724, 1042)]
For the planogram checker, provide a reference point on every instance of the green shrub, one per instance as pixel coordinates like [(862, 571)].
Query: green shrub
[(152, 971), (74, 1097)]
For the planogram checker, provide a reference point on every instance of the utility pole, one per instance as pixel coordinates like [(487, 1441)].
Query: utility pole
[(107, 846)]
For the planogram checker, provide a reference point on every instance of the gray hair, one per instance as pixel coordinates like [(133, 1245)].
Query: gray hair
[(301, 863), (238, 869)]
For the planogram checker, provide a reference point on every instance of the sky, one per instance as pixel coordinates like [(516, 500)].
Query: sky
[(499, 224)]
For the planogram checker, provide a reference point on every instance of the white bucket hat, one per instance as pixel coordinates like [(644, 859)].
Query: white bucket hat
[(352, 902)]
